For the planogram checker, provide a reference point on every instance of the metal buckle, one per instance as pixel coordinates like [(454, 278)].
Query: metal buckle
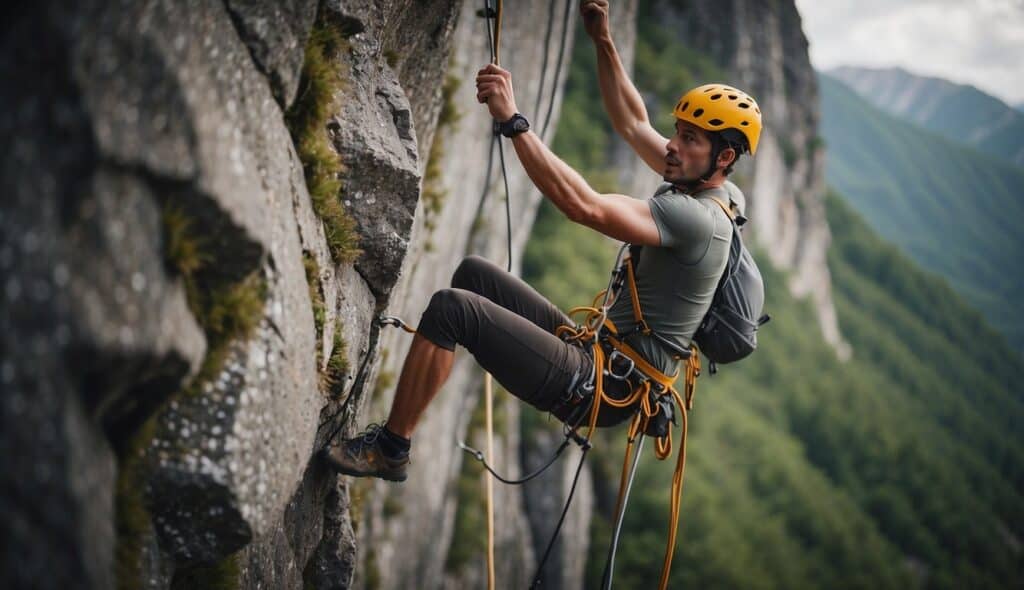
[(611, 366), (578, 390)]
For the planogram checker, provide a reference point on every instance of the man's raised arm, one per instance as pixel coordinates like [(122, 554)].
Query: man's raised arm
[(621, 100)]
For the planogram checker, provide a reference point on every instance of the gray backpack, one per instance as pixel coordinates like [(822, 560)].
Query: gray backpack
[(728, 332)]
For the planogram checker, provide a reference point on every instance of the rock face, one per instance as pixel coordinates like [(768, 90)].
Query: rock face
[(122, 403), (470, 219), (120, 115)]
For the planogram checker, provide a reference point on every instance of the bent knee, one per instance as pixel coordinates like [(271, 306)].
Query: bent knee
[(468, 270), (446, 300)]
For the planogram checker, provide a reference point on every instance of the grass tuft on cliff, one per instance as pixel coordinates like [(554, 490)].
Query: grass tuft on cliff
[(322, 79), (316, 299), (337, 371)]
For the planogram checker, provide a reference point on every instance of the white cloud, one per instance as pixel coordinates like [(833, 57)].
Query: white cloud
[(979, 42)]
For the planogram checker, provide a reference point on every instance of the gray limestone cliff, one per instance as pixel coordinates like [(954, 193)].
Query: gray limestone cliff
[(183, 332)]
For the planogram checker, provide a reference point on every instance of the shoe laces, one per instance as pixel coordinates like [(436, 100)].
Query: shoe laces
[(369, 436)]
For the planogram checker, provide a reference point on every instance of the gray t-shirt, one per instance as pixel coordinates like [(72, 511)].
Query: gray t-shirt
[(676, 281)]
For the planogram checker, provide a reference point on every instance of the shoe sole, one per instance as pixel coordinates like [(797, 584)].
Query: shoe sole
[(345, 470)]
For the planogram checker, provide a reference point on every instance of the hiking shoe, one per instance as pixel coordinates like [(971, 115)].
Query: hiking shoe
[(363, 456)]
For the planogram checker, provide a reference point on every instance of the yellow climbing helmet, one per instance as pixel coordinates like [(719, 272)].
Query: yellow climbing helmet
[(721, 108)]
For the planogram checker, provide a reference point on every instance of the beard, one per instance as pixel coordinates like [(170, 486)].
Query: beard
[(683, 181), (674, 173)]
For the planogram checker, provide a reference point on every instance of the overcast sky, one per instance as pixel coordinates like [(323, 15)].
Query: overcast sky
[(979, 42)]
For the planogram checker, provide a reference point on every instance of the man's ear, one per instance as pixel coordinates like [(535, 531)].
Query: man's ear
[(726, 157)]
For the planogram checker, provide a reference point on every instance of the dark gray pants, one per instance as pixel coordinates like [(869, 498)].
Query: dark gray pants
[(509, 328)]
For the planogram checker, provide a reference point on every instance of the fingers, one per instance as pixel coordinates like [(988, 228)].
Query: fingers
[(489, 81), (494, 87), (483, 91), (594, 6)]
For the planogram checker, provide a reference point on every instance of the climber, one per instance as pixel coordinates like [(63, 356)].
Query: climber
[(509, 328)]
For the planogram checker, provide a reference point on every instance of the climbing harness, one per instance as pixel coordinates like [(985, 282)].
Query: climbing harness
[(653, 392)]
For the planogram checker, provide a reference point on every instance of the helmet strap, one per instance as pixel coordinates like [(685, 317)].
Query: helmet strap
[(717, 145)]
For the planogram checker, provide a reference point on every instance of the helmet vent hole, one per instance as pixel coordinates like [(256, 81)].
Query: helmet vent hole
[(744, 123), (716, 96), (685, 106), (698, 112), (758, 111), (743, 105), (733, 97), (707, 90), (715, 122)]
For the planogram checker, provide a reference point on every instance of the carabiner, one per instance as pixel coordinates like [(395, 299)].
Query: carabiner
[(611, 366)]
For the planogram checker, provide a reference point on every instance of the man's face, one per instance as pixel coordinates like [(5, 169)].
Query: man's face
[(688, 154)]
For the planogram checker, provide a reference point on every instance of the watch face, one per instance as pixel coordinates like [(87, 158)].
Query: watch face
[(520, 125)]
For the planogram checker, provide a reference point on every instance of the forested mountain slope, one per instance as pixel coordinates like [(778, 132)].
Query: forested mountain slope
[(952, 209), (958, 112)]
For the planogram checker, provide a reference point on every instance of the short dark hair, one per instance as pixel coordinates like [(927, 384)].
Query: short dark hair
[(720, 143)]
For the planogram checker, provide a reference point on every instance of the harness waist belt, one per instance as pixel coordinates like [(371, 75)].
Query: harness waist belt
[(642, 365)]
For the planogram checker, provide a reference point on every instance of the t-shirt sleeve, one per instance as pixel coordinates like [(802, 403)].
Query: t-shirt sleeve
[(684, 224)]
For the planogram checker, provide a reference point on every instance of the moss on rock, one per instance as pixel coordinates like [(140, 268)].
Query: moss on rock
[(322, 79), (337, 371), (316, 300), (226, 574)]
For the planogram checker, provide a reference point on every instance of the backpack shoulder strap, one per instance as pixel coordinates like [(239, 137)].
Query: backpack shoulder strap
[(728, 210)]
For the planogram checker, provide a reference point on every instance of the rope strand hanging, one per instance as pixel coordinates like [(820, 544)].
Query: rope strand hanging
[(493, 40)]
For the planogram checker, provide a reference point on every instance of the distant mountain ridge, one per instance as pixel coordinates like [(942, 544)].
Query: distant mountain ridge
[(951, 208), (959, 112)]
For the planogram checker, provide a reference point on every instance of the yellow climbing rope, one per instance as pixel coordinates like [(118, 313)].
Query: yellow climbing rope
[(488, 388), (489, 420)]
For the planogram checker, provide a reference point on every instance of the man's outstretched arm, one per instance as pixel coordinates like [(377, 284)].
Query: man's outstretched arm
[(617, 216), (621, 99)]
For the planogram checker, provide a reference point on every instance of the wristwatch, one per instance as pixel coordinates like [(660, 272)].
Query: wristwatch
[(513, 127)]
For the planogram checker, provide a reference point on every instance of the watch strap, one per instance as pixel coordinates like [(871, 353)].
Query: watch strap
[(514, 126)]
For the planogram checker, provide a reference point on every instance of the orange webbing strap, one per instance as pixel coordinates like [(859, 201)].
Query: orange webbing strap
[(635, 298), (676, 496), (587, 333), (641, 363), (726, 208), (662, 451), (692, 372)]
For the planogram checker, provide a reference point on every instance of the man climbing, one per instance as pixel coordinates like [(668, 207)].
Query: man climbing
[(510, 328)]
